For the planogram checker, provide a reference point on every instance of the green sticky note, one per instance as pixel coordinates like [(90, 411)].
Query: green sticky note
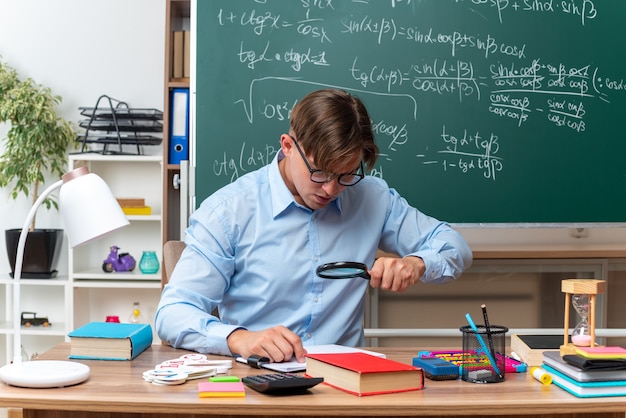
[(224, 379)]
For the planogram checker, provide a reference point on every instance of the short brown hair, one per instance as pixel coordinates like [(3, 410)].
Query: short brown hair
[(332, 125)]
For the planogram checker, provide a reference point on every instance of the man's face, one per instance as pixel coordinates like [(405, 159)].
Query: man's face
[(297, 175)]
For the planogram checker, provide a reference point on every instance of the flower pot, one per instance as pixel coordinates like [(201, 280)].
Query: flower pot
[(41, 254)]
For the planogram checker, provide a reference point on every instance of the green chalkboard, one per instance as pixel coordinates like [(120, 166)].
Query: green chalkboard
[(485, 111)]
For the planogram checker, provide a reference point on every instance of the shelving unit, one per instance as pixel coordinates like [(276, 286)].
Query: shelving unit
[(177, 18), (86, 292), (127, 176), (36, 294)]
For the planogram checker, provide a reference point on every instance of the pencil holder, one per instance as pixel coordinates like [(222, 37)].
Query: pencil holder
[(483, 359)]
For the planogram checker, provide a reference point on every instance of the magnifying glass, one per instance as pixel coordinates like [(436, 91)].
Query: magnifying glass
[(343, 270)]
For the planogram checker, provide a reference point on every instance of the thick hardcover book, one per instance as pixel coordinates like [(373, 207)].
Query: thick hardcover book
[(586, 389), (530, 348), (554, 360), (363, 374), (109, 341)]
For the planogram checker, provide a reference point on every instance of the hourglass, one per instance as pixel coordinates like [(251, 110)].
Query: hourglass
[(580, 335), (582, 295)]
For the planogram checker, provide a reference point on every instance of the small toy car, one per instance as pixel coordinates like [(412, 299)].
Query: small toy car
[(118, 261), (31, 318)]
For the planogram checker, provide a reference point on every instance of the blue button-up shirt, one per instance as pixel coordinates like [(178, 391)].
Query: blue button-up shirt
[(252, 252)]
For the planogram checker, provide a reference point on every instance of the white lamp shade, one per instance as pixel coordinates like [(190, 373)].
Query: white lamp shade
[(88, 207)]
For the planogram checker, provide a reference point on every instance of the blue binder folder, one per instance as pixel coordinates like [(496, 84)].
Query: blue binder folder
[(179, 126)]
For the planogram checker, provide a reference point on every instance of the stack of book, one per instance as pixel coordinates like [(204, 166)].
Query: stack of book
[(134, 206), (587, 377)]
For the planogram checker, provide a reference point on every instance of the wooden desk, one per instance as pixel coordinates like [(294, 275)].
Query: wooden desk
[(116, 389)]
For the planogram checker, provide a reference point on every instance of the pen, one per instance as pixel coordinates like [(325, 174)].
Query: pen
[(492, 360), (488, 328)]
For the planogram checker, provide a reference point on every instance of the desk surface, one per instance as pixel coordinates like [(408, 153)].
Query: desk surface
[(116, 387)]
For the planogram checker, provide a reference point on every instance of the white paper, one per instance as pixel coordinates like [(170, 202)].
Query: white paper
[(293, 366)]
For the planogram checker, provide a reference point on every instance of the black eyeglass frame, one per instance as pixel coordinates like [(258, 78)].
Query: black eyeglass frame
[(353, 176)]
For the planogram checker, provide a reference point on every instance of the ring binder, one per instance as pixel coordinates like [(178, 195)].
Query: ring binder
[(179, 128)]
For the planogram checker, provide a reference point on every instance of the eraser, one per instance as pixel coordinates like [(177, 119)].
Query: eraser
[(436, 368), (480, 374)]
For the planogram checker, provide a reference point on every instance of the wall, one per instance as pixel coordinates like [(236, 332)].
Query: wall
[(81, 50)]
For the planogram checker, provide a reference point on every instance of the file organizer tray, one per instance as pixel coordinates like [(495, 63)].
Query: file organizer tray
[(112, 124)]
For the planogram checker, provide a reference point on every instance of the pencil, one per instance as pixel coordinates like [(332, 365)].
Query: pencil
[(489, 337)]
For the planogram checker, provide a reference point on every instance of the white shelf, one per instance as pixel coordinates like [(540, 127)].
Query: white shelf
[(86, 293), (116, 158), (115, 277), (120, 284), (56, 281), (145, 218), (56, 329)]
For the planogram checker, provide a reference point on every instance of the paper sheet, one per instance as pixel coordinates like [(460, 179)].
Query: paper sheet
[(293, 366)]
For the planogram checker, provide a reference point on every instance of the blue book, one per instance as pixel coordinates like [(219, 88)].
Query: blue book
[(109, 341), (586, 389)]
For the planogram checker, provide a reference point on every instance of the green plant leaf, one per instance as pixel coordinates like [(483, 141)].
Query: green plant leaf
[(37, 140)]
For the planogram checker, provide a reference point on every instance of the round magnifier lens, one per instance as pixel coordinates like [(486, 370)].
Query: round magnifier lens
[(343, 270)]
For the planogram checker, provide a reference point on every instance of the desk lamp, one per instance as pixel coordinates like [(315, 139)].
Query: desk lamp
[(89, 211)]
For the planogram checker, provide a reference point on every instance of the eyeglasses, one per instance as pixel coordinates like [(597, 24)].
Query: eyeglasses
[(320, 176)]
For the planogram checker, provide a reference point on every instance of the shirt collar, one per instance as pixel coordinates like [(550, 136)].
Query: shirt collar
[(280, 194)]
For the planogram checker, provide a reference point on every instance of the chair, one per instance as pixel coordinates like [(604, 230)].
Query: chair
[(171, 253)]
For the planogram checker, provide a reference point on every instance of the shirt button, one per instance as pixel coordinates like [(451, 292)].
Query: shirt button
[(316, 299), (307, 336)]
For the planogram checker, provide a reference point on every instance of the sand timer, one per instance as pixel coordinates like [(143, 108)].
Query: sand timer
[(580, 334), (581, 293)]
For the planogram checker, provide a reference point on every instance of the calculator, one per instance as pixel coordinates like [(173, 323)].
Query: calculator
[(281, 383)]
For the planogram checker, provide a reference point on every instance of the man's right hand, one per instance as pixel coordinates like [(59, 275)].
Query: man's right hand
[(276, 343)]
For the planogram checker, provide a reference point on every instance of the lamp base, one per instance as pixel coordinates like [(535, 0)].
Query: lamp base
[(44, 373)]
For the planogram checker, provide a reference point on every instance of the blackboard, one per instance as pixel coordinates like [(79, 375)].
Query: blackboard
[(485, 111)]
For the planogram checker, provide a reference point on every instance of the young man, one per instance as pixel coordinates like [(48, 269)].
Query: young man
[(253, 246)]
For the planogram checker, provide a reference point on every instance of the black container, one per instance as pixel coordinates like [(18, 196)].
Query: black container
[(481, 349)]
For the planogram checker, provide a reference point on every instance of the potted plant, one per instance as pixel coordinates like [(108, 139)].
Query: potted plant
[(35, 146)]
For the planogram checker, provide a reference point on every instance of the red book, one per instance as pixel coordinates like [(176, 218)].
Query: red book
[(363, 374)]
